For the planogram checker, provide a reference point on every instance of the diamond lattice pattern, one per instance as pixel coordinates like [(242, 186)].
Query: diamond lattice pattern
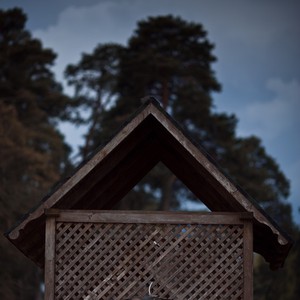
[(124, 261)]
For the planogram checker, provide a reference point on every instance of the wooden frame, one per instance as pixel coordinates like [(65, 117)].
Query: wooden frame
[(150, 136), (55, 218)]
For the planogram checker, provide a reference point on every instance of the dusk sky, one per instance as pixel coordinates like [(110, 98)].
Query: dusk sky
[(257, 44)]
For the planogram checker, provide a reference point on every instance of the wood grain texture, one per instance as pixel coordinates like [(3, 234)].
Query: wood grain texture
[(149, 137), (120, 255), (50, 251)]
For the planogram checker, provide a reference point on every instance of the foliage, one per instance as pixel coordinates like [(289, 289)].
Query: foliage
[(94, 79), (166, 57), (282, 284), (32, 150), (171, 59)]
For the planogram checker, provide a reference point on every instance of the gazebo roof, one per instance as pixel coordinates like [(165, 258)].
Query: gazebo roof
[(150, 137)]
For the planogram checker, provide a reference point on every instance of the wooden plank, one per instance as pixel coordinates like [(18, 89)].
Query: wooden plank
[(161, 217), (212, 273), (201, 260), (184, 149), (191, 176), (216, 177), (50, 259), (111, 189), (124, 135), (112, 254), (190, 263), (248, 260)]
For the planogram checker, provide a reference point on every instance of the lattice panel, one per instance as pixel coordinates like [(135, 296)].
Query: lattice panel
[(124, 261)]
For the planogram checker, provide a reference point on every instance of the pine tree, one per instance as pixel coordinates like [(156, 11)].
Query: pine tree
[(172, 59), (33, 155), (94, 80)]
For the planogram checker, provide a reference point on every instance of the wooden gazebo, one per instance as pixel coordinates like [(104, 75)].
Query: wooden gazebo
[(90, 251)]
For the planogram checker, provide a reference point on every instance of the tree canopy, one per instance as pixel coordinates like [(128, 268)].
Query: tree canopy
[(33, 152), (172, 59), (94, 79), (166, 57)]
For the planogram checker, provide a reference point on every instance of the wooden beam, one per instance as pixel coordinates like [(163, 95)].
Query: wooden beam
[(50, 259)]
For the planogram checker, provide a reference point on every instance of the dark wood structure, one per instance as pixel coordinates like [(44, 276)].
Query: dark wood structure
[(121, 254), (79, 210)]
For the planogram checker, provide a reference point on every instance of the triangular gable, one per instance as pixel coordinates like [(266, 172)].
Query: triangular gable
[(151, 136)]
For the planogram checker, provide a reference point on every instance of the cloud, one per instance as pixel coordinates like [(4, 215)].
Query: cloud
[(80, 29), (274, 117), (277, 122), (259, 24), (240, 29), (255, 40)]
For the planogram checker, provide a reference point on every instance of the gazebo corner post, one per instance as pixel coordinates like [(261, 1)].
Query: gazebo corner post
[(49, 275), (248, 258)]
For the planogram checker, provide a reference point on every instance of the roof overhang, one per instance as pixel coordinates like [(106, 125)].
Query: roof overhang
[(149, 137)]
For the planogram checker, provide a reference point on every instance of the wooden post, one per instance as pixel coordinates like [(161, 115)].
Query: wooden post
[(50, 258), (248, 259)]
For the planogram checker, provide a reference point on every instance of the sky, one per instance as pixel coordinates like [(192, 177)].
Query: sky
[(256, 42)]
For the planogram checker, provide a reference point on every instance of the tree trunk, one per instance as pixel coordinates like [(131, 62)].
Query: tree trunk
[(167, 187), (95, 119)]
